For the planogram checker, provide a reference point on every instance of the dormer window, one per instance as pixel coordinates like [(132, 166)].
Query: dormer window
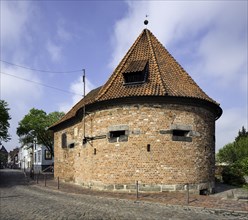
[(136, 72)]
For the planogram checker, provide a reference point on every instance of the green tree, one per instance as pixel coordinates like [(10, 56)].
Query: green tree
[(235, 154), (4, 121), (35, 125), (242, 133), (227, 154), (236, 150)]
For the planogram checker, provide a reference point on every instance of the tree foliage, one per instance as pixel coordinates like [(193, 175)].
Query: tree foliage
[(35, 125), (235, 154), (4, 121), (241, 134)]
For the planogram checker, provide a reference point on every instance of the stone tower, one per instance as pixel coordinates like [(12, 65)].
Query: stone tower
[(150, 122)]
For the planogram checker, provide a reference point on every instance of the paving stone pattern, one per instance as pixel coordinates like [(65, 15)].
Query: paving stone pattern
[(22, 200)]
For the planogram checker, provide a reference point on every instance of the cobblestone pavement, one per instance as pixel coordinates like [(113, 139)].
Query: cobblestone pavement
[(22, 200)]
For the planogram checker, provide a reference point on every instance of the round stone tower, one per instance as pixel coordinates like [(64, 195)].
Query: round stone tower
[(150, 122)]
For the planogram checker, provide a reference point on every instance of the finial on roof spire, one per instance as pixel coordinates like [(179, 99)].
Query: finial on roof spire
[(146, 21)]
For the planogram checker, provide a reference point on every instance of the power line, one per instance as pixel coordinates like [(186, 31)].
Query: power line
[(39, 70), (41, 84)]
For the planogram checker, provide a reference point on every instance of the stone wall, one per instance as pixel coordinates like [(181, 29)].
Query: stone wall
[(149, 155)]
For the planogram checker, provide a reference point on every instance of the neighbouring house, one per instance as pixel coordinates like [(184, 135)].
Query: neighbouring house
[(43, 159), (150, 122), (25, 157), (3, 157), (35, 157), (13, 159)]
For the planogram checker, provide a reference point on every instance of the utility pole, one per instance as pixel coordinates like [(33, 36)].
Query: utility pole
[(84, 140)]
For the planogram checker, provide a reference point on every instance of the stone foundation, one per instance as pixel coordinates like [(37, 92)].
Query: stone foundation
[(193, 188)]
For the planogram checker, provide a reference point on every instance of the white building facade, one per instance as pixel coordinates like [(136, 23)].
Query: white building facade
[(42, 158), (25, 157), (36, 157)]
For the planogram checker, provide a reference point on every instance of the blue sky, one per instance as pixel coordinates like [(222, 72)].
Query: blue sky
[(208, 38)]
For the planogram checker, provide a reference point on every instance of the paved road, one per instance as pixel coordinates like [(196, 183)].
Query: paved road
[(19, 200)]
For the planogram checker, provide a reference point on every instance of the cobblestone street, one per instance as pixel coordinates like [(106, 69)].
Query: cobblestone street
[(22, 200)]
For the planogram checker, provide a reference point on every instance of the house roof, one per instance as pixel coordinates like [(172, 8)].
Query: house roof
[(14, 152), (165, 76), (3, 150)]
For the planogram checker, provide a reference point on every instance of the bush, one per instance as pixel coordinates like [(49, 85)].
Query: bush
[(244, 166), (233, 175)]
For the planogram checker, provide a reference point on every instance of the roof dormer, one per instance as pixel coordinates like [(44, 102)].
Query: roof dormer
[(136, 72)]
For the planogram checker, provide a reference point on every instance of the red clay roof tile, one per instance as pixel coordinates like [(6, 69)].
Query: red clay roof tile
[(166, 77)]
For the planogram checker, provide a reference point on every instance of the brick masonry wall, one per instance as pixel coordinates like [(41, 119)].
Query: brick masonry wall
[(169, 165)]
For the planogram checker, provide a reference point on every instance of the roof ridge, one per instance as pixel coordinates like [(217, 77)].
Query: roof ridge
[(111, 79), (156, 63)]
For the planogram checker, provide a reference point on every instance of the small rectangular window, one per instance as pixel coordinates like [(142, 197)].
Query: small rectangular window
[(118, 136), (181, 135), (64, 140), (71, 145), (148, 147), (48, 155)]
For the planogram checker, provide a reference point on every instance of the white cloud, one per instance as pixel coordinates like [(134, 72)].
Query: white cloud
[(54, 51), (13, 20), (20, 96), (77, 88)]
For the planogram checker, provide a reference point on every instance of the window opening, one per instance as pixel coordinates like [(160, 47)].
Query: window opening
[(136, 72), (137, 77), (48, 155), (181, 135), (118, 136), (64, 140), (94, 151), (71, 145), (148, 147), (204, 192), (114, 134)]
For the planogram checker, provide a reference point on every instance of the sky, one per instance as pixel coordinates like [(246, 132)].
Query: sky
[(208, 39)]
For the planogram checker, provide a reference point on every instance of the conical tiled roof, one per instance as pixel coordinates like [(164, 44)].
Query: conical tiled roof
[(164, 77)]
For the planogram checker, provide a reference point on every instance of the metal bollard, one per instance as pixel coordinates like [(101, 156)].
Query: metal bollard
[(58, 182), (45, 179), (37, 177), (187, 194), (137, 189)]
